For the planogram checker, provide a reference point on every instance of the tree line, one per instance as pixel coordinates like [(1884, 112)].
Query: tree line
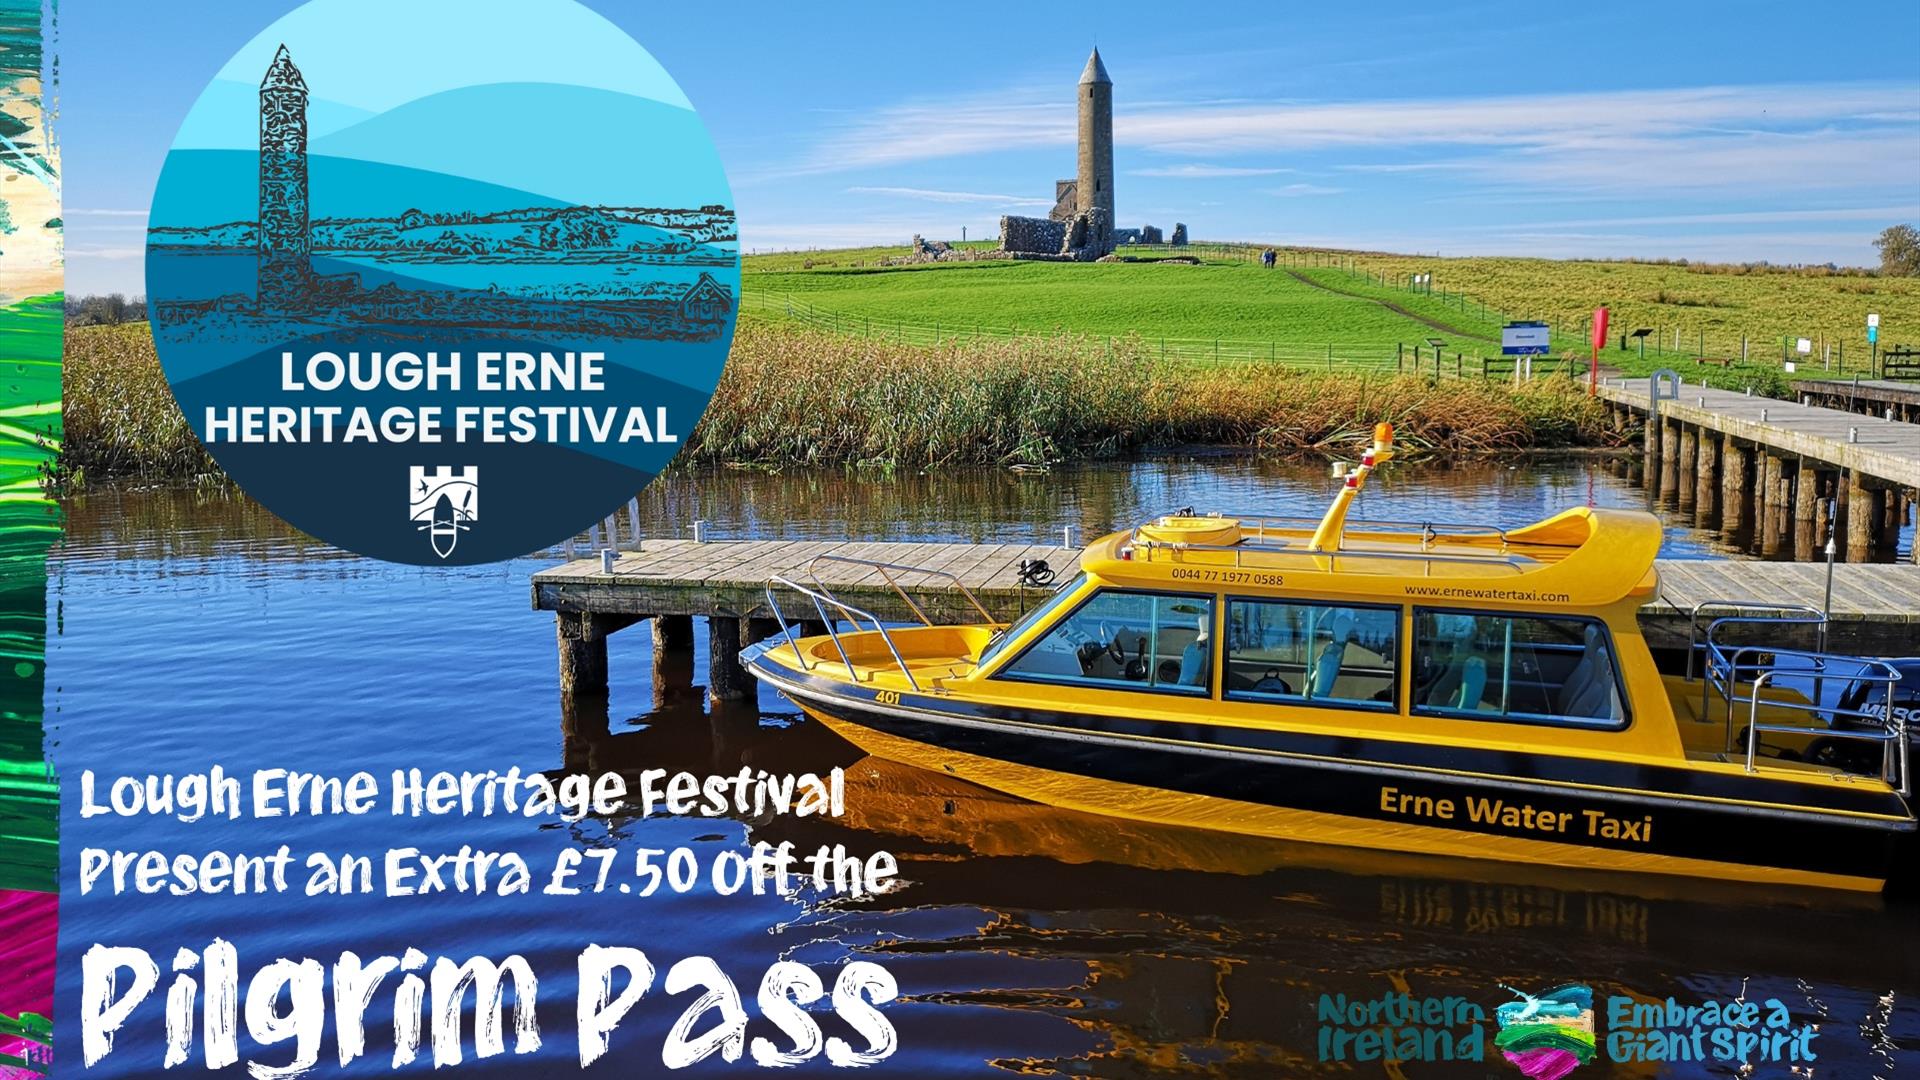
[(109, 310)]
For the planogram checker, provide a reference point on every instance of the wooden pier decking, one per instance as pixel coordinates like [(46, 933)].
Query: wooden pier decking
[(1874, 397), (1876, 607), (1774, 475)]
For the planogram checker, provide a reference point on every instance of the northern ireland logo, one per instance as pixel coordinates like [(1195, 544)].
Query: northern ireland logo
[(1546, 1036), (443, 503)]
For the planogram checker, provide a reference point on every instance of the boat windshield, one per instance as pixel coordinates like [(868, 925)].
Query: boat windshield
[(1020, 625)]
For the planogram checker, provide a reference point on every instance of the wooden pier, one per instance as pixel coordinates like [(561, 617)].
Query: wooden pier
[(1886, 399), (1774, 476), (1876, 608)]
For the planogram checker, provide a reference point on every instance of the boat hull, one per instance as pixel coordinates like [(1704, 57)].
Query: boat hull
[(1144, 771)]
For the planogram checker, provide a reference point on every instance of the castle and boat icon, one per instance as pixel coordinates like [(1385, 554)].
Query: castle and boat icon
[(443, 502)]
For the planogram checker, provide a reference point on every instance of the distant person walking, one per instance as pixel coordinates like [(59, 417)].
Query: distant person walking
[(1268, 257)]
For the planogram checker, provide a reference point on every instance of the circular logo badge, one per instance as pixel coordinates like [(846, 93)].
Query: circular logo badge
[(442, 281)]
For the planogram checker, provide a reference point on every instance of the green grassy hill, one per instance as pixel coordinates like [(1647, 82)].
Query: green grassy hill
[(1356, 300), (1227, 299)]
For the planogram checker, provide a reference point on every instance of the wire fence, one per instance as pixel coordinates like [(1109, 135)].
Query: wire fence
[(1677, 344), (1682, 347), (1399, 357)]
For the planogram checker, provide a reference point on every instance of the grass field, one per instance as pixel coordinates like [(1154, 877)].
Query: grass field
[(1721, 303), (1693, 310), (1227, 300)]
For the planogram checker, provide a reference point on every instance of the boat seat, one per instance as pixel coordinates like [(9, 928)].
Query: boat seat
[(1193, 664), (1589, 688), (1473, 683), (1326, 669), (1461, 686)]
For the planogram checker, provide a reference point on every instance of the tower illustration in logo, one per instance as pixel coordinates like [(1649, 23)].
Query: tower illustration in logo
[(286, 239), (443, 503), (1546, 1036)]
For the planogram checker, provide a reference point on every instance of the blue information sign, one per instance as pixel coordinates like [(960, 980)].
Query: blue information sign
[(1525, 339)]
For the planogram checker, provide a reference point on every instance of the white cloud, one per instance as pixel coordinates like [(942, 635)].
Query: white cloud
[(932, 195), (1742, 217), (1766, 138), (1542, 120), (867, 232), (1206, 172), (953, 127), (1295, 191), (90, 212), (111, 253)]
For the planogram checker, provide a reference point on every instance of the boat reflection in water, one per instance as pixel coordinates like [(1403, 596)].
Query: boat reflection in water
[(1187, 952)]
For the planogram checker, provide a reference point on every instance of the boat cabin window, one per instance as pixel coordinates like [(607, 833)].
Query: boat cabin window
[(1529, 668), (1127, 640), (1043, 611), (1313, 654)]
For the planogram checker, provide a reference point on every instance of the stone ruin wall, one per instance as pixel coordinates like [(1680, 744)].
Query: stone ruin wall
[(1036, 236)]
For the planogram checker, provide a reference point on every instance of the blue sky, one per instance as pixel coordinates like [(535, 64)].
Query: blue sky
[(1725, 131)]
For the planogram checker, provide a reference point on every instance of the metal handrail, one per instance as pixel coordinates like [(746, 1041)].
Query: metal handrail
[(1432, 528), (1727, 672), (1238, 551), (886, 572), (1816, 617), (1731, 668), (1892, 732), (1429, 531), (1723, 670), (854, 615)]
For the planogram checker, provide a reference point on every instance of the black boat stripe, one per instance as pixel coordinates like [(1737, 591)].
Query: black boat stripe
[(1553, 787), (1508, 766), (1701, 830)]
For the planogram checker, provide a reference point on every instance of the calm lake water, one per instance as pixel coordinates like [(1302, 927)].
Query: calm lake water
[(192, 630)]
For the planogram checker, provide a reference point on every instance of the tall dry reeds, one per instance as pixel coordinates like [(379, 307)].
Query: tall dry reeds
[(794, 396), (120, 416)]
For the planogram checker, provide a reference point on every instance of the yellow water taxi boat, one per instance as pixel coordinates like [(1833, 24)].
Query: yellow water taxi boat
[(1458, 690)]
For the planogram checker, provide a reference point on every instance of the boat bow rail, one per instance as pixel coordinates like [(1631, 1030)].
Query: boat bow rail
[(833, 610)]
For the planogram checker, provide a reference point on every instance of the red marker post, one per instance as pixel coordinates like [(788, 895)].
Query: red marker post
[(1599, 342)]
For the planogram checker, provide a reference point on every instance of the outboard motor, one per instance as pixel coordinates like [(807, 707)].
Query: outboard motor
[(1859, 756)]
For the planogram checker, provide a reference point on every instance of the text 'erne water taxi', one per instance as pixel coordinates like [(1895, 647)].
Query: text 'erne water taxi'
[(1465, 691)]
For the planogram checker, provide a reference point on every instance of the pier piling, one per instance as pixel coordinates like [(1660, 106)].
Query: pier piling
[(1733, 490), (759, 630), (1772, 513), (1861, 518), (583, 649), (1806, 493), (1669, 459), (1706, 476), (726, 679), (1689, 466)]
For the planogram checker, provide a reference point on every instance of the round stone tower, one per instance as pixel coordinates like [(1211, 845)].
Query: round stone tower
[(1095, 182), (285, 242)]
